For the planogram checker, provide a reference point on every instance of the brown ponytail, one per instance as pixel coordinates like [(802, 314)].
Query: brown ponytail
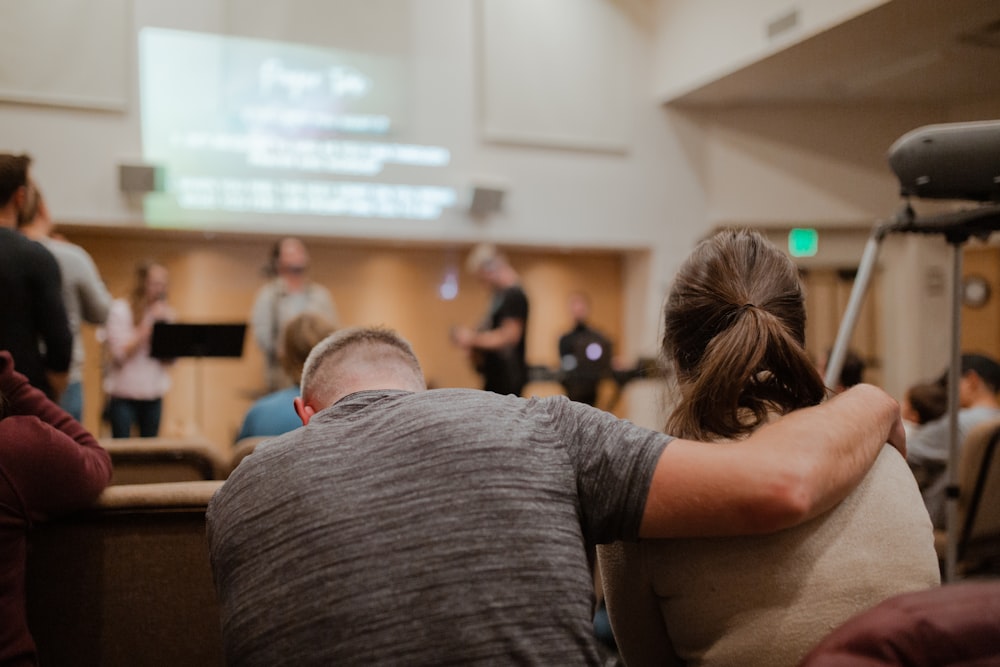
[(734, 328)]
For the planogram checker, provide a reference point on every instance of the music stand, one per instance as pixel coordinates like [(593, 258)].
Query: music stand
[(171, 341)]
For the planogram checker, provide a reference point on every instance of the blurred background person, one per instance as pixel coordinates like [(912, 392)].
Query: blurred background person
[(288, 293), (49, 465), (927, 451), (275, 414), (134, 381), (84, 294), (584, 354), (734, 330), (852, 371), (497, 347), (31, 304), (923, 403)]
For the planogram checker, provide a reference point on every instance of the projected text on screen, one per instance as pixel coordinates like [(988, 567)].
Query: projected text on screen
[(245, 126)]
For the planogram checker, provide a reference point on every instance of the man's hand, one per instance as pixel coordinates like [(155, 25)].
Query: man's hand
[(463, 337), (896, 435)]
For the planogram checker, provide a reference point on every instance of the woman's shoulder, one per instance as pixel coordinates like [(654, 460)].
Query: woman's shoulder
[(887, 506)]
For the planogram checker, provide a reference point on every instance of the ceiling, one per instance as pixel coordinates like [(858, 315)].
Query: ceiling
[(904, 52)]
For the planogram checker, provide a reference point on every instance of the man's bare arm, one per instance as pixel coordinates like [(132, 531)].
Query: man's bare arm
[(784, 474)]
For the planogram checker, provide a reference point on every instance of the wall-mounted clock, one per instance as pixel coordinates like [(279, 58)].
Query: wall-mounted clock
[(975, 291)]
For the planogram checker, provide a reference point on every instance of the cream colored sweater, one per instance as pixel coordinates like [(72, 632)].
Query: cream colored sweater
[(768, 600)]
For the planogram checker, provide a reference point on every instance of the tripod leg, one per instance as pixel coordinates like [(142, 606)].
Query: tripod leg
[(850, 319), (954, 376)]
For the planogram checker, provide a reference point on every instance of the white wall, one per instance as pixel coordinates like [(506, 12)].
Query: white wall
[(916, 310), (703, 40)]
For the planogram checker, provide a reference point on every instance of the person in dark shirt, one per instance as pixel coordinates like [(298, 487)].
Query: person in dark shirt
[(497, 346), (852, 371), (584, 354), (84, 294), (31, 303)]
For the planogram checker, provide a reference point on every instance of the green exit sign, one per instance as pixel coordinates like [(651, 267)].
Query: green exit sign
[(803, 242)]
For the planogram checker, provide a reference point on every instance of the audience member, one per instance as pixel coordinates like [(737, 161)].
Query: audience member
[(274, 414), (134, 381), (290, 292), (405, 525), (928, 451), (584, 354), (49, 465), (497, 347), (734, 330), (852, 371), (31, 305), (84, 294), (923, 403)]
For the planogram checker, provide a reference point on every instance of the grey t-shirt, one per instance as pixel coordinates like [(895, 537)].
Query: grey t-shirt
[(441, 527)]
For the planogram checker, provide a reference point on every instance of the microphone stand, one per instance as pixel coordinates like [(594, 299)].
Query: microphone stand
[(956, 227)]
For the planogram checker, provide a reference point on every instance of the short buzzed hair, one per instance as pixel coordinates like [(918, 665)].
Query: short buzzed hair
[(13, 175), (378, 345)]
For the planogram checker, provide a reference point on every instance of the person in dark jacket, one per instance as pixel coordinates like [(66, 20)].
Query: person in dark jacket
[(49, 465)]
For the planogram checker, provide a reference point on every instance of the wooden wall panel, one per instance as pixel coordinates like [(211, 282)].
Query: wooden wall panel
[(981, 326), (827, 293)]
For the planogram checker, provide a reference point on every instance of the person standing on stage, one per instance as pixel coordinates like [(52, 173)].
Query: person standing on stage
[(584, 354), (497, 346), (135, 381), (287, 294)]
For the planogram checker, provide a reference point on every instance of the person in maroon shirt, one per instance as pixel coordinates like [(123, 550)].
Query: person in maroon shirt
[(49, 465)]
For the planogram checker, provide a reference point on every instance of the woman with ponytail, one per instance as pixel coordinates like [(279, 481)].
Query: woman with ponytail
[(734, 333)]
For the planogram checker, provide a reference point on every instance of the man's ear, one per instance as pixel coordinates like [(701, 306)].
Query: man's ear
[(305, 412)]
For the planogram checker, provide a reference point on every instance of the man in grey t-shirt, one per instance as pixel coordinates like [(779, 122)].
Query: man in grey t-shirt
[(402, 525)]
